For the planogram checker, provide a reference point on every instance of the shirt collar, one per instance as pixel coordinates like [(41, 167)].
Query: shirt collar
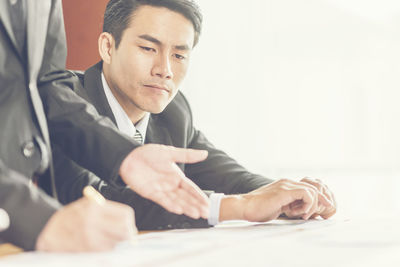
[(124, 124)]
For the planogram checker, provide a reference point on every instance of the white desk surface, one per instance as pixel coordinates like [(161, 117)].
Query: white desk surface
[(335, 242)]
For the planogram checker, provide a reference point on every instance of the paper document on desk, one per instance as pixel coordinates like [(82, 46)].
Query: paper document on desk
[(239, 243), (160, 248)]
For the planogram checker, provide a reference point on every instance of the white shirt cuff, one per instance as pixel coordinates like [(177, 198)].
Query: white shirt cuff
[(215, 203)]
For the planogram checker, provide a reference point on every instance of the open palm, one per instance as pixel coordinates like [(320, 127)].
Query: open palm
[(151, 171)]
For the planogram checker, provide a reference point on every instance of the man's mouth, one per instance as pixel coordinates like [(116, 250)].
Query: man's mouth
[(158, 87)]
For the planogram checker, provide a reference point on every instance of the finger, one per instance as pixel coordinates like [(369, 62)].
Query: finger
[(296, 204), (117, 232), (201, 208), (200, 199), (305, 195), (96, 237), (317, 185), (304, 192), (309, 180), (309, 194), (329, 211), (322, 198), (294, 210), (314, 206), (126, 218), (322, 207), (122, 219), (323, 189), (177, 203), (191, 188), (328, 214), (184, 155), (166, 200), (188, 204), (100, 241), (296, 193), (330, 195)]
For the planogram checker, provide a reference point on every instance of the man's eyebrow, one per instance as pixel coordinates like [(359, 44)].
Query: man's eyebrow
[(158, 42), (182, 47), (150, 39)]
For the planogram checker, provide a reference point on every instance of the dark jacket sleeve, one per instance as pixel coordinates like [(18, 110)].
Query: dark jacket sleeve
[(23, 203), (74, 125), (71, 179), (219, 172), (149, 215)]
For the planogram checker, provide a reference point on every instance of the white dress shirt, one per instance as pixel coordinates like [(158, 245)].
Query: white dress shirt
[(126, 126)]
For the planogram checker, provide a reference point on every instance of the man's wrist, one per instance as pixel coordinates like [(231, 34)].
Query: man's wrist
[(232, 208), (126, 167)]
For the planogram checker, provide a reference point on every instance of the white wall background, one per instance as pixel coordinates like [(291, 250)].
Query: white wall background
[(292, 88)]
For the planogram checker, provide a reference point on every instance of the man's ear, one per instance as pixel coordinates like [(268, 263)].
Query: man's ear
[(106, 43)]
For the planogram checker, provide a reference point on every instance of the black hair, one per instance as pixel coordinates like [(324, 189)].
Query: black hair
[(118, 14)]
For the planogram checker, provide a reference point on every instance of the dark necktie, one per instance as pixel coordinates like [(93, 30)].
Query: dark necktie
[(138, 137)]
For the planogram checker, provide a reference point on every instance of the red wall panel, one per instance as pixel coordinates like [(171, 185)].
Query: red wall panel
[(83, 24)]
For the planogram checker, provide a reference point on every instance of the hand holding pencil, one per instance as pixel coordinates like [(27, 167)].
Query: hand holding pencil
[(91, 223)]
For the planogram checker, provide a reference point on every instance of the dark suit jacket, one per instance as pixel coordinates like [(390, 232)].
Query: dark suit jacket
[(173, 126), (37, 103)]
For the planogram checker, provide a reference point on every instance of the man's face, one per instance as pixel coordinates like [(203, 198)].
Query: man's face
[(151, 60)]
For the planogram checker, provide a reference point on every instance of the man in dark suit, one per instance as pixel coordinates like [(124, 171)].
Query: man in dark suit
[(37, 108), (145, 49)]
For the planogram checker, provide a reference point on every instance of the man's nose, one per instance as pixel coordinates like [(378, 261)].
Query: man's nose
[(162, 67)]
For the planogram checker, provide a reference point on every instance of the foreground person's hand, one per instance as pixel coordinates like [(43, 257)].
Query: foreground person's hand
[(85, 225)]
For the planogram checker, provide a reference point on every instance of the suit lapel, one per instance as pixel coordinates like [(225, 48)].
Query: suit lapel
[(6, 20), (156, 132), (38, 13), (95, 91), (38, 18)]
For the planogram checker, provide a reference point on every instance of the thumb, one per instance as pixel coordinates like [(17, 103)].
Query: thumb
[(184, 155)]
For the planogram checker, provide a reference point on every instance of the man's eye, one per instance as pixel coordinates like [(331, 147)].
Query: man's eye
[(147, 48), (179, 56)]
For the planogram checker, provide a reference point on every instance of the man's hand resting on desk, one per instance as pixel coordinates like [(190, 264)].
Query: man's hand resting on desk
[(323, 211), (151, 171), (305, 199), (85, 225)]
